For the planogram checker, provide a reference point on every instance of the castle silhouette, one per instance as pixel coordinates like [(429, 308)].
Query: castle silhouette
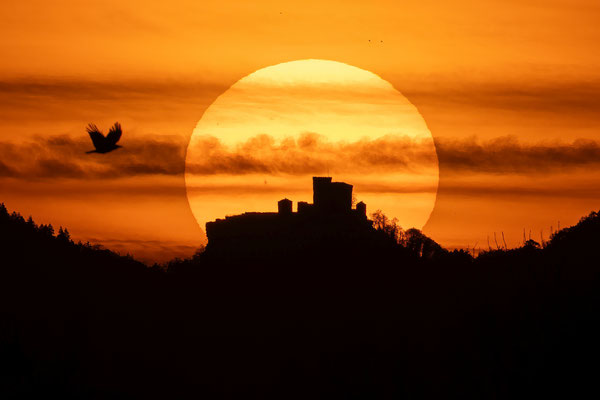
[(329, 218)]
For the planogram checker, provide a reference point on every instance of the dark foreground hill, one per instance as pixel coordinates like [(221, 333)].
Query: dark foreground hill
[(338, 320)]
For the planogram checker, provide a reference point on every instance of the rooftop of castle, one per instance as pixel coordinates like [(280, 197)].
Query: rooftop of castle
[(330, 211), (328, 198)]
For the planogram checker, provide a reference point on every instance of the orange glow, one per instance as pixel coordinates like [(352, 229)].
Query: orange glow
[(281, 125), (509, 90)]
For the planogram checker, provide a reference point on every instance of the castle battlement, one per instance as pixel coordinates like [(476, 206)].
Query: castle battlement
[(330, 215)]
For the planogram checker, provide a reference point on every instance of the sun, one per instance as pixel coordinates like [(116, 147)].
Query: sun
[(269, 133)]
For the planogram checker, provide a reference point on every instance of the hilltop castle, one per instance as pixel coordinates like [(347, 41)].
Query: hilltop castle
[(330, 217)]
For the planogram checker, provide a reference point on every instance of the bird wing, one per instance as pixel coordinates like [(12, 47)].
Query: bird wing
[(97, 137), (114, 134)]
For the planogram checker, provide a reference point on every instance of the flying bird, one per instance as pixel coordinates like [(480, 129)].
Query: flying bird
[(101, 143)]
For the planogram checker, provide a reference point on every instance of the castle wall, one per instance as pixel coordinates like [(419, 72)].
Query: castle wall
[(330, 218)]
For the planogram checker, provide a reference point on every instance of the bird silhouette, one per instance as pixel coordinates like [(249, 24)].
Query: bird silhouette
[(101, 143)]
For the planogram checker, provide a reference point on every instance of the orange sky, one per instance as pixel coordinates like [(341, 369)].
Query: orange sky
[(510, 91)]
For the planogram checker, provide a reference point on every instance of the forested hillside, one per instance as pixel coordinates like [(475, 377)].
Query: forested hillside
[(396, 316)]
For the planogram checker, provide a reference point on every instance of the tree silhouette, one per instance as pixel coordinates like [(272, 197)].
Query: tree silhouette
[(386, 319), (391, 228), (63, 235)]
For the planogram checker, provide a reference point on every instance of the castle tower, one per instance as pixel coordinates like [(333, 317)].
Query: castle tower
[(361, 209), (320, 190), (284, 207), (331, 197)]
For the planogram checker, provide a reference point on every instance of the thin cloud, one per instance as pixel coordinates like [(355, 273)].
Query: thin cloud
[(31, 90), (6, 171), (310, 153), (547, 97), (65, 157), (567, 95), (508, 155)]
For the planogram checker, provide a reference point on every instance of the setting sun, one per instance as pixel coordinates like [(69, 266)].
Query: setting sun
[(265, 137), (299, 199)]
